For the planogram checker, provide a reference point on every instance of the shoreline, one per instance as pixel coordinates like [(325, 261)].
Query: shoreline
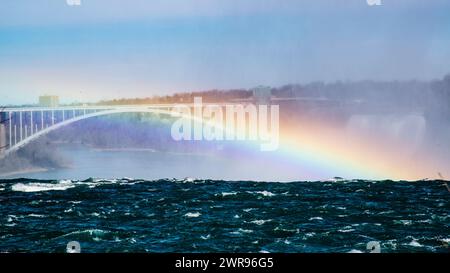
[(124, 150), (23, 171)]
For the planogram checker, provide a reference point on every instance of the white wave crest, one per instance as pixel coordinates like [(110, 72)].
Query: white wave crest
[(193, 214), (263, 193), (228, 193), (38, 187), (415, 243), (260, 222)]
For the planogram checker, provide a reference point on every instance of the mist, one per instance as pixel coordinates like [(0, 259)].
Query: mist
[(402, 124)]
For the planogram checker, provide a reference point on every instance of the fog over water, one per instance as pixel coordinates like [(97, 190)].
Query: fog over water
[(401, 128)]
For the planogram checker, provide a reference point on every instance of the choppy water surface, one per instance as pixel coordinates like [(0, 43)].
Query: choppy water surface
[(127, 215)]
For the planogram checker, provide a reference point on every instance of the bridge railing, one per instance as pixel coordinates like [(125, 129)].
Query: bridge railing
[(17, 124)]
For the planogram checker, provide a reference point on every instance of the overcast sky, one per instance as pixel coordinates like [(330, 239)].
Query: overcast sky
[(112, 48)]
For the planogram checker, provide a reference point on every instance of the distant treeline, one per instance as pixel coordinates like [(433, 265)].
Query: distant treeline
[(207, 96), (406, 92)]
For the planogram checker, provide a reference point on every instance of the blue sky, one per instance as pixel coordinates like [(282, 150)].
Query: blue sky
[(110, 49)]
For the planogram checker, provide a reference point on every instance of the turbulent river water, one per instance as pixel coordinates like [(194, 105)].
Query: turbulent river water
[(128, 215)]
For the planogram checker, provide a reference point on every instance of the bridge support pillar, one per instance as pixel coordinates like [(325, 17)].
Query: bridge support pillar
[(2, 139)]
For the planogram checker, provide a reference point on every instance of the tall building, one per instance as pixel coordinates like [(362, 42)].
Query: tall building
[(49, 101)]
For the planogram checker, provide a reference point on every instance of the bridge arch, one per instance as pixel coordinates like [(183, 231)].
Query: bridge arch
[(56, 126)]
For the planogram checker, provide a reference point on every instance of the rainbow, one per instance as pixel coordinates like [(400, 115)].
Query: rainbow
[(330, 150), (322, 150), (318, 150)]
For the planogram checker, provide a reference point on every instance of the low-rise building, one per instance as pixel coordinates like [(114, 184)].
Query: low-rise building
[(49, 101)]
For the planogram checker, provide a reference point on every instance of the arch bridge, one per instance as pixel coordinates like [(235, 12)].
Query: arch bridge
[(20, 126)]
